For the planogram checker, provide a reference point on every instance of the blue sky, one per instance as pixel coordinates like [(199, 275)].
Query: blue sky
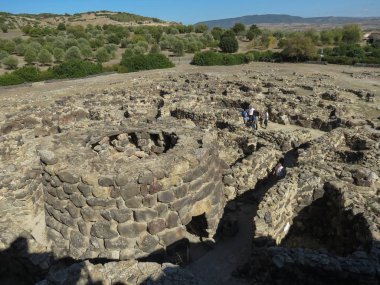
[(190, 12)]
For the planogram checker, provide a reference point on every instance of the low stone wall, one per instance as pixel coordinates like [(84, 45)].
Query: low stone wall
[(305, 266), (21, 203), (107, 208), (244, 175), (323, 217)]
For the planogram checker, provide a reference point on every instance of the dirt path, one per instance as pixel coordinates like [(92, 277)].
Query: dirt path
[(216, 266)]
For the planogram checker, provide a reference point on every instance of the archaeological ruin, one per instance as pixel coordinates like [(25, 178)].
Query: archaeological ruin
[(152, 178)]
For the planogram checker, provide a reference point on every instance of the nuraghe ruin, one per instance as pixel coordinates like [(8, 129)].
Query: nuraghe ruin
[(108, 184)]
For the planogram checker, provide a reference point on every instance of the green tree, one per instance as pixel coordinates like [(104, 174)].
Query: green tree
[(61, 27), (30, 55), (228, 43), (20, 49), (114, 39), (200, 29), (58, 54), (178, 48), (35, 45), (217, 33), (352, 34), (3, 54), (59, 42), (45, 57), (313, 34), (327, 37), (4, 28), (299, 48), (102, 55), (9, 46), (73, 53), (253, 32), (10, 62), (155, 49), (86, 51), (238, 28), (70, 42), (268, 41)]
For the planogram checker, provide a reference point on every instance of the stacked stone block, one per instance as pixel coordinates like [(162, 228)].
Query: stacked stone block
[(139, 209)]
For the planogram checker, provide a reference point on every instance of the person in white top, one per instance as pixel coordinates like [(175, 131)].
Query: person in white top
[(266, 119), (251, 111)]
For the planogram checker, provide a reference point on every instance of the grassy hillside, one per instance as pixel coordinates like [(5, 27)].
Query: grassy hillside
[(16, 21)]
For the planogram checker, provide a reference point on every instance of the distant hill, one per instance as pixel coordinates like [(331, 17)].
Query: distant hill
[(95, 18), (285, 19)]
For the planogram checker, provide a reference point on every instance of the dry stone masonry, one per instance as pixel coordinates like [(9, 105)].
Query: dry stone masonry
[(130, 192), (106, 175)]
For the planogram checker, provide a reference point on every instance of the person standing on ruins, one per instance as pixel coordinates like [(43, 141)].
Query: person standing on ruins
[(251, 110), (257, 118), (244, 114), (279, 169), (254, 121), (266, 119)]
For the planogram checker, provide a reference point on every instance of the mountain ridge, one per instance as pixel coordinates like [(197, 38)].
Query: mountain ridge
[(284, 19)]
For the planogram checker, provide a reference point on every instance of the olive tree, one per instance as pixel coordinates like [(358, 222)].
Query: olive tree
[(238, 28), (30, 55), (73, 53), (58, 54), (102, 55), (45, 57), (10, 62)]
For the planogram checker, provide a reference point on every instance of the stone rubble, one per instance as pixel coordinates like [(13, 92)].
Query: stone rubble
[(120, 173)]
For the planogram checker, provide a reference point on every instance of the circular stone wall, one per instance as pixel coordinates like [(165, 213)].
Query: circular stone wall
[(130, 192)]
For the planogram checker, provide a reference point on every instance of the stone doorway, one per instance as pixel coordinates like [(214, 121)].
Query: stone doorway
[(198, 226)]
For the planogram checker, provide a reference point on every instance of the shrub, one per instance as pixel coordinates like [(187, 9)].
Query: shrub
[(155, 49), (253, 32), (4, 28), (102, 55), (9, 46), (111, 48), (86, 51), (10, 79), (10, 62), (299, 48), (75, 69), (339, 60), (178, 48), (229, 44), (3, 54), (217, 33), (28, 73), (45, 57), (30, 55), (201, 28), (114, 39), (234, 59), (35, 45), (58, 54), (238, 28), (61, 27), (124, 42), (70, 42), (20, 49), (351, 34), (207, 58), (145, 62), (73, 53)]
